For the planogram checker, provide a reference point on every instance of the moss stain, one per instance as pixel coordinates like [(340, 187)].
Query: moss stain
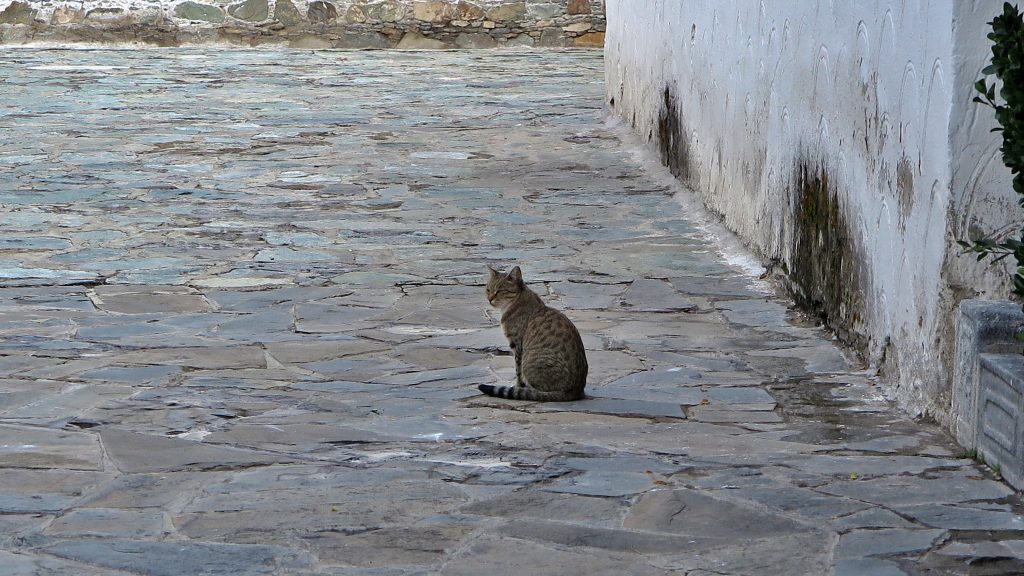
[(825, 272), (673, 143)]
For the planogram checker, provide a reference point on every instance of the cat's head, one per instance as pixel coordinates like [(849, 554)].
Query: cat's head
[(502, 289)]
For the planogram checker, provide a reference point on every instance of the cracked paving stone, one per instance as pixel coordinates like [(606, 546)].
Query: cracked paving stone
[(692, 513), (647, 295)]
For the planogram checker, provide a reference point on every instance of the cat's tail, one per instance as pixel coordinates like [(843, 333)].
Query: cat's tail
[(527, 393)]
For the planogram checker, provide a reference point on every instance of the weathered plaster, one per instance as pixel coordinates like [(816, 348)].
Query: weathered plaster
[(864, 104)]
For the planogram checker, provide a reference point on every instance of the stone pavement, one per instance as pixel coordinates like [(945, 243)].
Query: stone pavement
[(242, 323)]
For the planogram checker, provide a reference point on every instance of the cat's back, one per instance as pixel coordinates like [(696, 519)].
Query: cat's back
[(550, 333)]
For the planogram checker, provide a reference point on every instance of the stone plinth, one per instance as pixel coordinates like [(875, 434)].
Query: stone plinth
[(982, 326), (1000, 407)]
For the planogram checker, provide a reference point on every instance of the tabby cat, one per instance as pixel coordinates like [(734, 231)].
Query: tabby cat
[(551, 364)]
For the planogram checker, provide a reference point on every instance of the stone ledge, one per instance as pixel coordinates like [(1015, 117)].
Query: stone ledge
[(343, 24), (1000, 410), (982, 326)]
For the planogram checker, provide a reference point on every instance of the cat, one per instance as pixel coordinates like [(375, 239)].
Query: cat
[(551, 364)]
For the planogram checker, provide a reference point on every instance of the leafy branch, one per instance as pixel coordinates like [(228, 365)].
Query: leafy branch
[(1008, 67)]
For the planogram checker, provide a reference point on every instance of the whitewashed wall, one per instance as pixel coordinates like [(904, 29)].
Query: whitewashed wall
[(875, 95)]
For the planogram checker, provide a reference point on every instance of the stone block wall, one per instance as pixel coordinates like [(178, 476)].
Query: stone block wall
[(839, 140), (354, 24)]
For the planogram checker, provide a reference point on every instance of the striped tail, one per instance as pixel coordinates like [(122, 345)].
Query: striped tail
[(527, 393)]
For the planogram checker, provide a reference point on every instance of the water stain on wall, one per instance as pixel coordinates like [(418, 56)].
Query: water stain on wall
[(905, 188), (826, 275), (673, 142)]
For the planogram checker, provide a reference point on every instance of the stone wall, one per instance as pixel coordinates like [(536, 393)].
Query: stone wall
[(839, 140), (357, 24)]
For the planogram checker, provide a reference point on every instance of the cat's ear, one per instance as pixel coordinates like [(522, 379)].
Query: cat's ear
[(516, 275), (493, 272)]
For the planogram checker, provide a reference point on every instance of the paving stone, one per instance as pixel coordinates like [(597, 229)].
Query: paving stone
[(872, 518), (149, 302), (29, 564), (111, 523), (862, 543), (962, 517), (147, 491), (807, 553), (603, 538), (413, 545), (586, 296), (43, 448), (800, 502), (908, 490), (214, 357), (648, 295), (559, 507), (616, 406), (873, 566), (519, 557), (603, 483), (717, 414), (134, 452), (825, 358), (692, 513), (730, 286), (172, 558)]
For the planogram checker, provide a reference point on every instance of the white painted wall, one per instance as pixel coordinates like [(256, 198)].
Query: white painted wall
[(875, 92)]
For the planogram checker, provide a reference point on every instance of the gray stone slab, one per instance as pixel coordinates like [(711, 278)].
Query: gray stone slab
[(872, 518), (111, 523), (515, 557), (133, 452), (808, 553), (398, 546), (462, 376), (962, 517), (602, 538), (863, 543), (24, 563), (22, 447), (728, 286), (908, 490), (824, 358), (866, 466), (862, 566), (693, 513), (603, 483), (147, 491), (721, 414), (174, 558), (800, 501), (616, 406), (650, 295), (559, 507)]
